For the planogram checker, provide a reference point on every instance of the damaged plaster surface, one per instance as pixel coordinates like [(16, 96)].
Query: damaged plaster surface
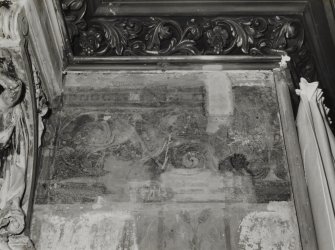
[(186, 227), (274, 229), (174, 160)]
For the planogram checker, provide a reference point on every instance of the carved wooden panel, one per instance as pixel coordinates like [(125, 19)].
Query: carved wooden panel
[(93, 36)]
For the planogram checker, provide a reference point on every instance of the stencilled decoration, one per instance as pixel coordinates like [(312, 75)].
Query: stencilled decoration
[(154, 146), (194, 224)]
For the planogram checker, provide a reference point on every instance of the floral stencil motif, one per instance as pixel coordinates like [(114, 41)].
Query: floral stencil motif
[(194, 224)]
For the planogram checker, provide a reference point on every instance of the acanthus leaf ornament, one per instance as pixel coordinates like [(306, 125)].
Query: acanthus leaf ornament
[(115, 36), (74, 11), (162, 36), (167, 36)]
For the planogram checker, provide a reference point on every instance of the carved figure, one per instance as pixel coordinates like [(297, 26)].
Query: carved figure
[(18, 122), (11, 94), (13, 153)]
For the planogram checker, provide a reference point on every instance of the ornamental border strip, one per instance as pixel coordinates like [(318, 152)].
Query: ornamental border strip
[(186, 36)]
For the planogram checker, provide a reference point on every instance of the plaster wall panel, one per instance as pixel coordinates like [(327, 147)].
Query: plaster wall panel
[(193, 160)]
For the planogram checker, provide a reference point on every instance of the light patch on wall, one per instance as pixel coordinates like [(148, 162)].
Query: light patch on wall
[(86, 231), (219, 100), (135, 97)]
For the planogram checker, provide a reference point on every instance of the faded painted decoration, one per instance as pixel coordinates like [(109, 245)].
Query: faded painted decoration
[(179, 160)]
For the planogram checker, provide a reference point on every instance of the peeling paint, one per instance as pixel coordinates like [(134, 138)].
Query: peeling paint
[(86, 231), (275, 229)]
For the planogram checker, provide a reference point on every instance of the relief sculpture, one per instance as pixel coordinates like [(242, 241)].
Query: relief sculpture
[(19, 116), (14, 153), (198, 35)]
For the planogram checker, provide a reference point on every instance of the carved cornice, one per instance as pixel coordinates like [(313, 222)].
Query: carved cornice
[(186, 36)]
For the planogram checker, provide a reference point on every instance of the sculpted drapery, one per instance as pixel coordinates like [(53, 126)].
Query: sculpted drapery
[(21, 108), (14, 143)]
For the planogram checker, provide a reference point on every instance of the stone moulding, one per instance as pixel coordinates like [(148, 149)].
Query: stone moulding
[(116, 37)]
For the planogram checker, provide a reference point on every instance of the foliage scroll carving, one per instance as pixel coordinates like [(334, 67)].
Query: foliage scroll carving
[(186, 36)]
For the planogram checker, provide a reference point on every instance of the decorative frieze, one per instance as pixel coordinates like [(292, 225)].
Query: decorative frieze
[(186, 36)]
